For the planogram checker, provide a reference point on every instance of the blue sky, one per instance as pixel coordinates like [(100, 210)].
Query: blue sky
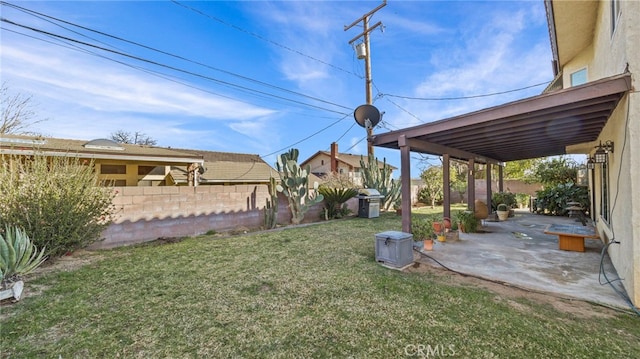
[(261, 77)]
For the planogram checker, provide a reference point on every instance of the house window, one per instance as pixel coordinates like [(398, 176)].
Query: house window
[(321, 162), (604, 192), (579, 77), (615, 14), (151, 170), (111, 183), (113, 169)]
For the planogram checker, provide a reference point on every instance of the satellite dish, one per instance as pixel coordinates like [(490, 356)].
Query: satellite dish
[(367, 116)]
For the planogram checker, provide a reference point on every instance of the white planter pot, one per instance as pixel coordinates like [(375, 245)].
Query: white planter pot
[(503, 215), (15, 291)]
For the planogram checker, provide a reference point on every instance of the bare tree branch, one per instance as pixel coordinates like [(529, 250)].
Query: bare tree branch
[(136, 138), (17, 112)]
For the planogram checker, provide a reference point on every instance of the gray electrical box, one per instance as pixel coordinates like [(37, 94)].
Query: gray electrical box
[(369, 203), (394, 248)]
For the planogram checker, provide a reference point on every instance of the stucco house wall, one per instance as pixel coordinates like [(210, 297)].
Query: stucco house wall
[(322, 164), (611, 53)]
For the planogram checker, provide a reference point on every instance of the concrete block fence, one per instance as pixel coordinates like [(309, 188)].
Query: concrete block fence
[(148, 213)]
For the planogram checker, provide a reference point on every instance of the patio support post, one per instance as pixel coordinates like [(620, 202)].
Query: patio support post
[(500, 179), (405, 177), (471, 185), (592, 188), (489, 194), (446, 185)]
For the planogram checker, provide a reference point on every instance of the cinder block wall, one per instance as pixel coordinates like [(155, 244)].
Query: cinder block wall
[(148, 213)]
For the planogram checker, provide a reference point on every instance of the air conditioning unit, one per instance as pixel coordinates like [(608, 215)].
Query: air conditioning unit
[(394, 249)]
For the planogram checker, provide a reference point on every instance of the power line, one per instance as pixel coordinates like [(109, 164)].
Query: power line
[(304, 139), (70, 43), (463, 97), (152, 62), (151, 72), (345, 132), (169, 54), (355, 144), (257, 36)]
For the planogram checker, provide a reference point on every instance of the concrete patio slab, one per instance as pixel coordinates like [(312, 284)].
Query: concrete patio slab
[(518, 252)]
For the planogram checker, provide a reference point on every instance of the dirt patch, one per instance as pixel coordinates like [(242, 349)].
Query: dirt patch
[(512, 295), (67, 263)]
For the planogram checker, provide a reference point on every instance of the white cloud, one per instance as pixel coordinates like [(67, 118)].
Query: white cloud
[(103, 86)]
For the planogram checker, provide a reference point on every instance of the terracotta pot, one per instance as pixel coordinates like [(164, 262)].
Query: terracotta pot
[(428, 244), (438, 227), (447, 222)]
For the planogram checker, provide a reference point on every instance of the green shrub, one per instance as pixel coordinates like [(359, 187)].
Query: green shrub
[(553, 200), (507, 198), (522, 199), (58, 201), (18, 256), (467, 221), (422, 229)]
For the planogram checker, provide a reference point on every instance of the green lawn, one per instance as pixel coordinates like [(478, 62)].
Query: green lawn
[(313, 291)]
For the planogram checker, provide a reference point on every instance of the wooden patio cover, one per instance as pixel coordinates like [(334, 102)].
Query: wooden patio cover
[(534, 127)]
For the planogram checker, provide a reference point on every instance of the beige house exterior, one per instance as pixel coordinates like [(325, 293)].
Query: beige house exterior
[(592, 40), (345, 164), (117, 164), (226, 168)]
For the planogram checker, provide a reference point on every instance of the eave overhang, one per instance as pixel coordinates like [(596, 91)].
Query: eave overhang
[(534, 127)]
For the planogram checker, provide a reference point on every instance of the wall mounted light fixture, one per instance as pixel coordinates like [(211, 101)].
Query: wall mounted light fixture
[(591, 163), (602, 152)]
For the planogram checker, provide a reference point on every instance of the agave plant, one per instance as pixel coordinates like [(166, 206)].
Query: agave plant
[(18, 256)]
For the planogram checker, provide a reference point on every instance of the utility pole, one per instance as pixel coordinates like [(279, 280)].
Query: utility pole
[(367, 61)]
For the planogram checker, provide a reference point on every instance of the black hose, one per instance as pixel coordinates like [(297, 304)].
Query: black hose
[(603, 273)]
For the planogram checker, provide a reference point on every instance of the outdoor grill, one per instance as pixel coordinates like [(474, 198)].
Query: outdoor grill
[(369, 203)]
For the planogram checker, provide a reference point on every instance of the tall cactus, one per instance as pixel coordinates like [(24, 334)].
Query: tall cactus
[(294, 183), (271, 209), (380, 179)]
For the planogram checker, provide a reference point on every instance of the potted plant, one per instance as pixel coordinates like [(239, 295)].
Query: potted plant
[(439, 229), (422, 230), (502, 211), (467, 221)]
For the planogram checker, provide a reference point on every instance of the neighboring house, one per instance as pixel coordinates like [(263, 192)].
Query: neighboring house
[(224, 168), (344, 163), (592, 40), (117, 164)]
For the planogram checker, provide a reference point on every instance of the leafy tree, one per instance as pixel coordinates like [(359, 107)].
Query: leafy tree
[(554, 171), (432, 178), (522, 169), (136, 138), (17, 112), (458, 178)]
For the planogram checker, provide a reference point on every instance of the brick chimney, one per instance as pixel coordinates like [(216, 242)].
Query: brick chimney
[(334, 157)]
